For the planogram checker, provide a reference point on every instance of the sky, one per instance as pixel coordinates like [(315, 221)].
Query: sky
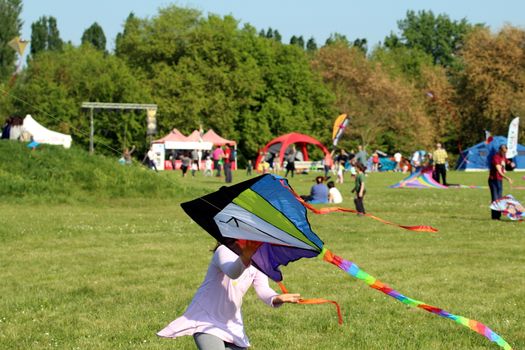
[(372, 19)]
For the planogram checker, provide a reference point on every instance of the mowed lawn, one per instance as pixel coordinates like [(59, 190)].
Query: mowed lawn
[(108, 274)]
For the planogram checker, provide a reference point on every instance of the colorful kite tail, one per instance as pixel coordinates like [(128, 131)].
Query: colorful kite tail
[(326, 210), (352, 269), (316, 301)]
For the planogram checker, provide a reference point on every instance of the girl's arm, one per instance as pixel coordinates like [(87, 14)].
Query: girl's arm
[(362, 189), (268, 295), (231, 264)]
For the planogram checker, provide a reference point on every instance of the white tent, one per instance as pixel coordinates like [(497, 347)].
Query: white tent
[(41, 134)]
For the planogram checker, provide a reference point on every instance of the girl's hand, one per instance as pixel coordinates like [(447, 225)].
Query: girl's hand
[(286, 298), (248, 248)]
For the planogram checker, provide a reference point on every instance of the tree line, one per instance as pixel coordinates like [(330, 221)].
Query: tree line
[(435, 79)]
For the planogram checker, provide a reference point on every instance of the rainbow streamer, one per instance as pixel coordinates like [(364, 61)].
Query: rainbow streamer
[(352, 269)]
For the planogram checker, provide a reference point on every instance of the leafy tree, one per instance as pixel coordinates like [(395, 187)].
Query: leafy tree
[(57, 82), (45, 35), (361, 44), (491, 88), (385, 111), (431, 81), (277, 36), (233, 80), (297, 40), (438, 36), (336, 39), (10, 26), (94, 35), (311, 45)]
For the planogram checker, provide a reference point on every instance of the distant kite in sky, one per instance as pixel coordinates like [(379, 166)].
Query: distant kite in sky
[(266, 209)]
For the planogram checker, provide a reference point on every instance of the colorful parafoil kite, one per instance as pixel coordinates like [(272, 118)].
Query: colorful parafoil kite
[(340, 125), (510, 207), (267, 210)]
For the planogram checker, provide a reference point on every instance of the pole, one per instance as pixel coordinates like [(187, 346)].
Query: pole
[(91, 132)]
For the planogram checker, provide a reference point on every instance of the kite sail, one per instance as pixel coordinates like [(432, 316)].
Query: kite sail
[(267, 210), (509, 206), (340, 125), (512, 139)]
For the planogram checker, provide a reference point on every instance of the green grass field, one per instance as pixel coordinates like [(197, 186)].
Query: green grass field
[(94, 255)]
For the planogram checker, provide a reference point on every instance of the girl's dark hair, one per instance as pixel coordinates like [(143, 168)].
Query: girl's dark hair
[(330, 184), (360, 167)]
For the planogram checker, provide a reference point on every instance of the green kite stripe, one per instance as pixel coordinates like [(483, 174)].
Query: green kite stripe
[(254, 203)]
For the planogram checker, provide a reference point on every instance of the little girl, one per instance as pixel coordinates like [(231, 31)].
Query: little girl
[(340, 172), (214, 316), (359, 188)]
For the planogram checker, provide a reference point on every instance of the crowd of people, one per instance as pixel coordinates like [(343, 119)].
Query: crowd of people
[(221, 158)]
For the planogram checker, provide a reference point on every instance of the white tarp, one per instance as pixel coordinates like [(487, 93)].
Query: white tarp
[(41, 134)]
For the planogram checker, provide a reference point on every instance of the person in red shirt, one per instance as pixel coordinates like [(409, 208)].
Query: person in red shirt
[(228, 159), (496, 176)]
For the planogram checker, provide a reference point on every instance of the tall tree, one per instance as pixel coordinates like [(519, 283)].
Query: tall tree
[(209, 71), (361, 44), (438, 36), (491, 89), (385, 113), (10, 26), (298, 41), (337, 38), (95, 36), (57, 82), (311, 45), (45, 35)]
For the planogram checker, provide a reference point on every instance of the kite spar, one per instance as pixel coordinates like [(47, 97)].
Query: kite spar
[(265, 209)]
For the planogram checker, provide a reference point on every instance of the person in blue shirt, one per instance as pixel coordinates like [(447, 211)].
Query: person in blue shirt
[(318, 192)]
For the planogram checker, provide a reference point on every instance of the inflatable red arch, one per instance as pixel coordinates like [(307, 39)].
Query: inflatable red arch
[(280, 144)]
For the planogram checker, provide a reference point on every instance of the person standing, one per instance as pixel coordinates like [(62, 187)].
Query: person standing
[(496, 175), (328, 163), (359, 189), (185, 164), (439, 166), (207, 166), (361, 156), (375, 162), (217, 155), (397, 159), (249, 168), (290, 162), (228, 159), (151, 159)]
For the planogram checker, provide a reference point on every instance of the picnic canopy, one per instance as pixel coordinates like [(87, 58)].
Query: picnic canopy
[(279, 145), (476, 158), (217, 140), (176, 140)]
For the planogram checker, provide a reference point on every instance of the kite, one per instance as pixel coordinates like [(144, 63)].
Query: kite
[(267, 210), (509, 206), (340, 125)]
